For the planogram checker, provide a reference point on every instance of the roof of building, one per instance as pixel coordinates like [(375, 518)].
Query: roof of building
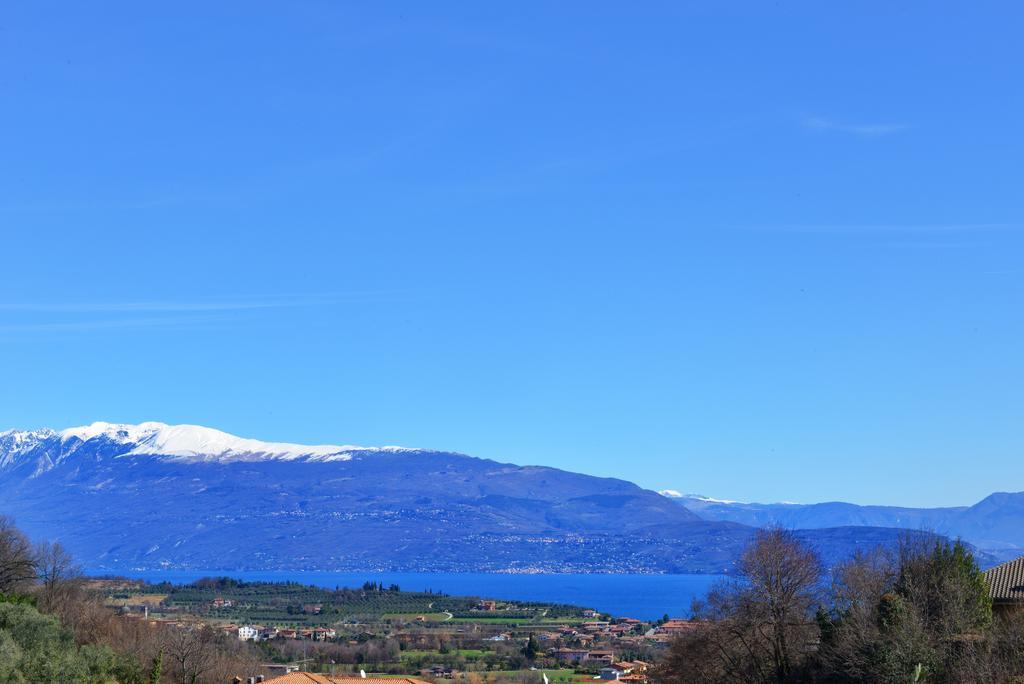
[(1006, 581), (312, 678)]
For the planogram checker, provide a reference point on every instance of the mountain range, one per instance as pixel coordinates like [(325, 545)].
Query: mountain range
[(150, 496), (994, 525)]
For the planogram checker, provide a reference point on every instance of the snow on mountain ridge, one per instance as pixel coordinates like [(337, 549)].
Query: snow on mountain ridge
[(192, 442), (676, 494)]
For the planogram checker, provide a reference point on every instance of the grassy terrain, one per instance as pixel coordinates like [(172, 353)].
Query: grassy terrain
[(554, 676), (495, 620), (137, 599), (410, 617), (293, 605), (468, 653)]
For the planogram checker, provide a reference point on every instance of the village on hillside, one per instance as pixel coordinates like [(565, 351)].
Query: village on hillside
[(388, 631)]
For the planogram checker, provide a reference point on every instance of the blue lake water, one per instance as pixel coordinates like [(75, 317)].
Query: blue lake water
[(645, 597)]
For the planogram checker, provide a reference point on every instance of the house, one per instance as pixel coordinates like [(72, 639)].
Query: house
[(438, 672), (606, 657), (591, 613), (278, 669), (487, 605), (630, 642), (609, 674), (569, 656), (248, 633), (677, 627), (1006, 586), (313, 608), (313, 678), (322, 634), (622, 668), (221, 603)]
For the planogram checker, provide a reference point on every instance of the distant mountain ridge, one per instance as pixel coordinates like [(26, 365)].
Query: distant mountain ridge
[(153, 496), (994, 525)]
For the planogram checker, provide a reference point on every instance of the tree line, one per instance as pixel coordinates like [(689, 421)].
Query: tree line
[(917, 613), (53, 628)]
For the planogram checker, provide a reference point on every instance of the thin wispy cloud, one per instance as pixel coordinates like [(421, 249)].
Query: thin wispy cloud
[(191, 306), (139, 307), (864, 130), (86, 316), (881, 228), (90, 325)]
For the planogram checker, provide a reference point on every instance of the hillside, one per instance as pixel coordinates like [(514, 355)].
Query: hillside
[(995, 525), (219, 502)]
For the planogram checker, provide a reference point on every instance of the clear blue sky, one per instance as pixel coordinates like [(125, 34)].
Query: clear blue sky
[(751, 250)]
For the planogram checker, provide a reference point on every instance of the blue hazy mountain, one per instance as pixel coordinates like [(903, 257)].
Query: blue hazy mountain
[(994, 525), (153, 495)]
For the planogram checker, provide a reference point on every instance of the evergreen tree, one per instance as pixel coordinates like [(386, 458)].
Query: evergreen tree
[(158, 665), (532, 649)]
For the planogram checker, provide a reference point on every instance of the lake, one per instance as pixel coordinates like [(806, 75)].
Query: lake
[(646, 597)]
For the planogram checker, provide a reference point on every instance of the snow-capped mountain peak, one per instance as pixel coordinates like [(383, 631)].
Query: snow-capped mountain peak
[(118, 432), (179, 442), (675, 494)]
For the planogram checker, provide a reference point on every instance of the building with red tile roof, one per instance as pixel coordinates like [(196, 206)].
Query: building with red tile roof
[(313, 678)]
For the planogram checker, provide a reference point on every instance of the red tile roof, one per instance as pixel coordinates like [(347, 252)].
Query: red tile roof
[(312, 678)]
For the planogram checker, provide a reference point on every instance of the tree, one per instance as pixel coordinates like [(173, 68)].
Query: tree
[(851, 630), (756, 629), (17, 569), (532, 648), (784, 576), (191, 652), (157, 668), (58, 576), (34, 648), (922, 612), (946, 588)]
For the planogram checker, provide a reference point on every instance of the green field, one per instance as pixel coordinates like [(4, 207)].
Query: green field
[(468, 653), (554, 676), (293, 604), (410, 617), (495, 620)]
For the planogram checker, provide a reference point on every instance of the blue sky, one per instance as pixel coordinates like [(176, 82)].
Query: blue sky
[(756, 251)]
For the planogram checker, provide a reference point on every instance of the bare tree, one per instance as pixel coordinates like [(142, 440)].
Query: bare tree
[(851, 629), (758, 629), (189, 652), (58, 575), (785, 584), (17, 569)]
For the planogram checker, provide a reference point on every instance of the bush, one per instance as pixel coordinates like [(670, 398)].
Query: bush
[(34, 648)]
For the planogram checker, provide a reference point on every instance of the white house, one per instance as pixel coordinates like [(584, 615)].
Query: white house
[(248, 633)]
